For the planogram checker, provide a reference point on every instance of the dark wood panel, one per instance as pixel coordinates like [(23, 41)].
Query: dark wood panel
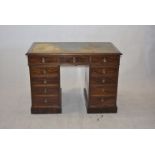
[(51, 71), (45, 100), (45, 80), (103, 90), (70, 59), (105, 60), (66, 59), (92, 109), (81, 59), (34, 59), (103, 80), (104, 71), (103, 101), (39, 90), (46, 110)]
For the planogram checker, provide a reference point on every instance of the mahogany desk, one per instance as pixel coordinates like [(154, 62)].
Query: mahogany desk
[(102, 59)]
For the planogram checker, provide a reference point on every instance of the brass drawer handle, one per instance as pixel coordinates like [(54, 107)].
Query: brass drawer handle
[(104, 60), (45, 91), (102, 100), (74, 59), (103, 71), (45, 81), (45, 100), (103, 80), (43, 60)]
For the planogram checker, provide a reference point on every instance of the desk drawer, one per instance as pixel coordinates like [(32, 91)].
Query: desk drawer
[(47, 90), (103, 90), (43, 59), (45, 100), (35, 71), (74, 59), (104, 71), (103, 101), (103, 80), (45, 80), (105, 60)]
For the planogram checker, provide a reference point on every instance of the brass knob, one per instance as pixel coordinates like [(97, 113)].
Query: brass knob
[(104, 60), (74, 59), (103, 71), (102, 100), (45, 100), (45, 81), (43, 60), (103, 80)]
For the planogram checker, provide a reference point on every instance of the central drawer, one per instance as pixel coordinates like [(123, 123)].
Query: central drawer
[(68, 59)]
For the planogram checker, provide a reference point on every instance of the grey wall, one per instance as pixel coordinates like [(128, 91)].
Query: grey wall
[(137, 43)]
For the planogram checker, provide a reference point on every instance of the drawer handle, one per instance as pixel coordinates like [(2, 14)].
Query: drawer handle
[(103, 90), (103, 80), (102, 100), (104, 60), (43, 60), (103, 71), (45, 100), (44, 81), (74, 60), (45, 91)]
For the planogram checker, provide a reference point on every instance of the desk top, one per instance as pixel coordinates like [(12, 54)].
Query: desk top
[(73, 48)]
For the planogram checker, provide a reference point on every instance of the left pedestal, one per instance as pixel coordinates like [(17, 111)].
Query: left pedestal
[(45, 86)]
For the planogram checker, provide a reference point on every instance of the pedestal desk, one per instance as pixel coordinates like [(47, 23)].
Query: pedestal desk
[(101, 77)]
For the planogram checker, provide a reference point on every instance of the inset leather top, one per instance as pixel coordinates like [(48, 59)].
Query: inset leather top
[(73, 48)]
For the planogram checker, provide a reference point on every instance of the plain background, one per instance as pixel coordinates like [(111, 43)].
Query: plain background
[(100, 12), (136, 79)]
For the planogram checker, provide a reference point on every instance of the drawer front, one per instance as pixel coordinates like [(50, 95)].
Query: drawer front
[(105, 60), (43, 59), (45, 100), (103, 90), (45, 90), (104, 71), (74, 59), (45, 80), (103, 101), (35, 71), (103, 80), (82, 59)]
